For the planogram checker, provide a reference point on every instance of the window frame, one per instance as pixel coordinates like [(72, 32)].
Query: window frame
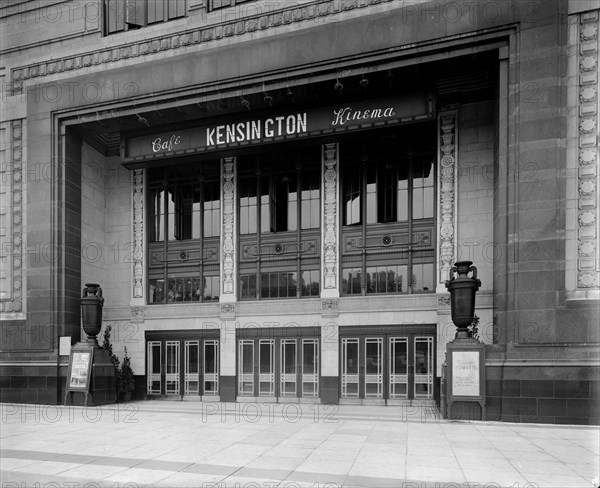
[(125, 16), (409, 256)]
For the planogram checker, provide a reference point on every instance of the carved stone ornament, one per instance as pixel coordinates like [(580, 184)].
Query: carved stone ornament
[(447, 198), (330, 208), (228, 229), (13, 303), (235, 26), (588, 274), (137, 188)]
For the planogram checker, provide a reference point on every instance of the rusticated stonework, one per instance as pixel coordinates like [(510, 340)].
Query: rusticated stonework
[(588, 260), (271, 18), (137, 187), (330, 220), (228, 230), (447, 189), (13, 302)]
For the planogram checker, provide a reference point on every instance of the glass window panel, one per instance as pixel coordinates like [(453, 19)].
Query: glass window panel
[(266, 357), (417, 203), (351, 359), (157, 216), (265, 206), (428, 202), (373, 356), (422, 277), (176, 8), (309, 357), (155, 11), (172, 216), (247, 358), (351, 281), (264, 285), (156, 293), (310, 283), (371, 194)]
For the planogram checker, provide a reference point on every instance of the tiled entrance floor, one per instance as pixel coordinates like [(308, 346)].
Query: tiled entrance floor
[(178, 444)]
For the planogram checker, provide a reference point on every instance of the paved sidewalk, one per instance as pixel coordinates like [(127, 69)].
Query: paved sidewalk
[(178, 444)]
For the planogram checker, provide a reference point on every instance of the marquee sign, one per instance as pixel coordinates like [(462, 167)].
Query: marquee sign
[(226, 134)]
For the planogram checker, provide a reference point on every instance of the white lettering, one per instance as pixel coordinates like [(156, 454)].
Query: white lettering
[(268, 129), (279, 127), (301, 125), (209, 137), (255, 129), (159, 145), (346, 114), (230, 133), (240, 131), (290, 125), (220, 134)]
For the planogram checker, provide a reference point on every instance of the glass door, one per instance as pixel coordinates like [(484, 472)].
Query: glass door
[(172, 368), (398, 366), (310, 368), (288, 368), (373, 377), (192, 367), (154, 385), (246, 367), (211, 367), (423, 367), (266, 372), (350, 368)]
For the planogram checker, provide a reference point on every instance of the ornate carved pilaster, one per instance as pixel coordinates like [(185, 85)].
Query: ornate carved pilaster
[(588, 260), (447, 144), (12, 254), (330, 254), (138, 279), (228, 226)]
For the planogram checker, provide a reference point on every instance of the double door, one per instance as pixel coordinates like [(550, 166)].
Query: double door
[(388, 366), (183, 367), (278, 367)]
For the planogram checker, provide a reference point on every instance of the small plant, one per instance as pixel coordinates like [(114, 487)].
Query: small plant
[(473, 328), (108, 346), (126, 377)]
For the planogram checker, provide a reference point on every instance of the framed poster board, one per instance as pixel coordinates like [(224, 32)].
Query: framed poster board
[(466, 374), (80, 371)]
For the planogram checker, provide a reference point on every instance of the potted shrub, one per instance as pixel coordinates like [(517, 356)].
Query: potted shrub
[(126, 379), (106, 344)]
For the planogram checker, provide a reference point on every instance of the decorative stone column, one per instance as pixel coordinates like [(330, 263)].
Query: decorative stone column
[(138, 297), (228, 295), (330, 222), (228, 230), (447, 181), (330, 273)]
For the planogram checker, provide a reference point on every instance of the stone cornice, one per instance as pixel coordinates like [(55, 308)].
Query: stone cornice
[(197, 36)]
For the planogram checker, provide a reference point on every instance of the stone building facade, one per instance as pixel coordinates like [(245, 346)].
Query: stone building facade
[(272, 194)]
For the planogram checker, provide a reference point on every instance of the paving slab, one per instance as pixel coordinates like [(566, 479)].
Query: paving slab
[(173, 444)]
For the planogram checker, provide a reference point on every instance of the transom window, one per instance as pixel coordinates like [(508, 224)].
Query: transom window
[(123, 15), (388, 212)]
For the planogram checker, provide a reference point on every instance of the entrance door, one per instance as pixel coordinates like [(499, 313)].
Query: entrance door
[(387, 367), (178, 367), (279, 367)]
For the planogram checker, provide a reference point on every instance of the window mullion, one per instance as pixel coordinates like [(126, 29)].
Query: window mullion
[(298, 232), (409, 273), (363, 219)]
